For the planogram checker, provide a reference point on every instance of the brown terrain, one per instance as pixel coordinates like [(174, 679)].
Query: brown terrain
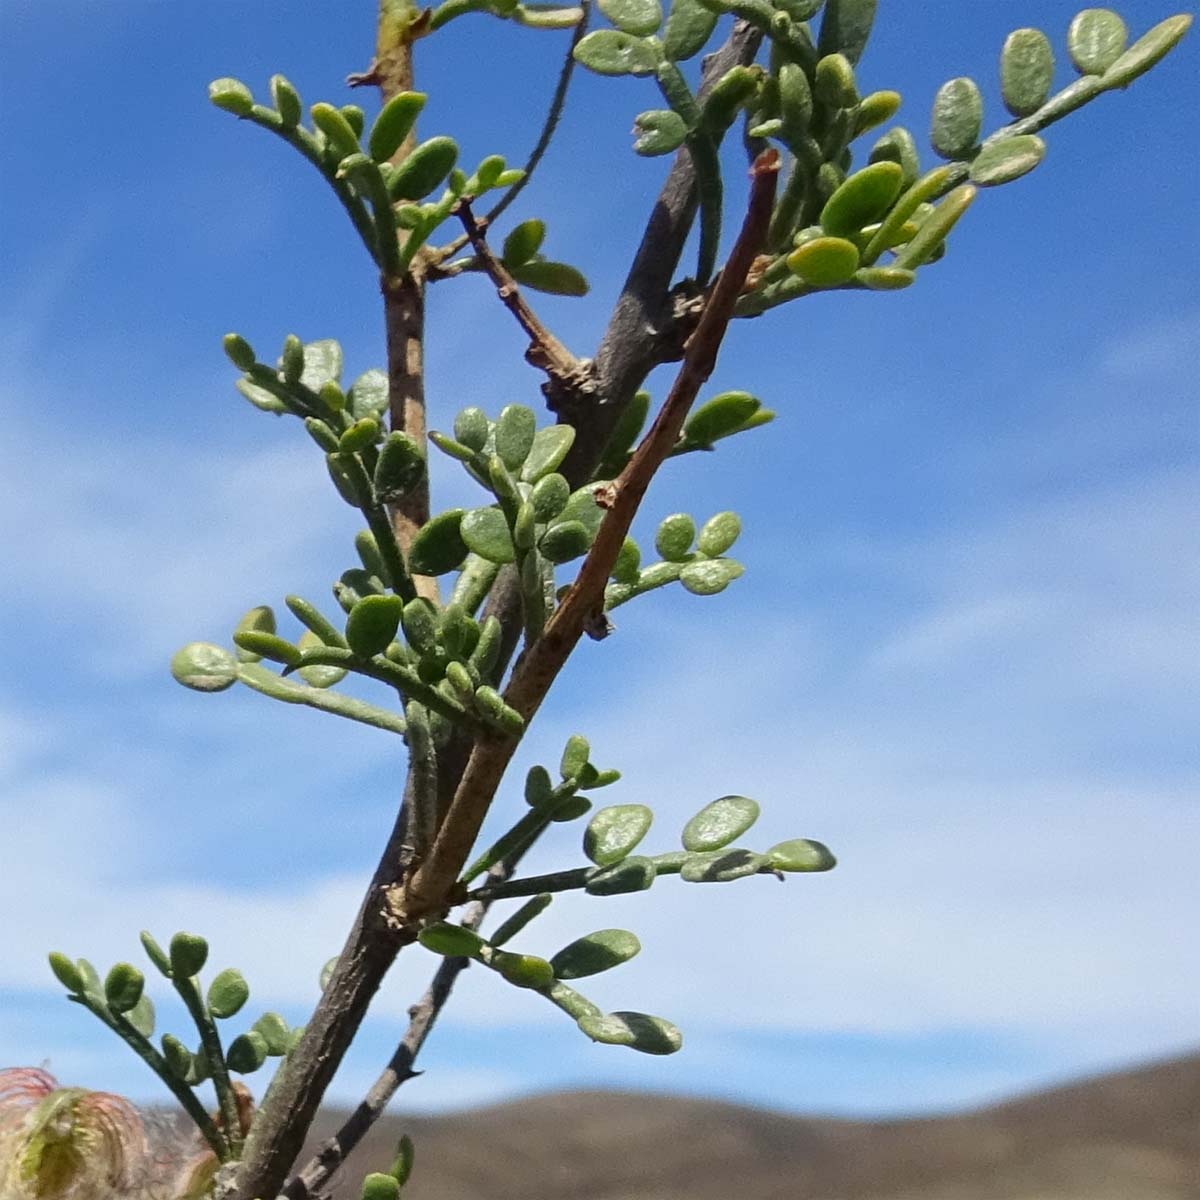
[(1128, 1136)]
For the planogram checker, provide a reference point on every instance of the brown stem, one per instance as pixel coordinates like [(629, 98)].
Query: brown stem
[(545, 351), (429, 887)]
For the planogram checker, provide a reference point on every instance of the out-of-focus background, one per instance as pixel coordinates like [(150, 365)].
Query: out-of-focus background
[(963, 653)]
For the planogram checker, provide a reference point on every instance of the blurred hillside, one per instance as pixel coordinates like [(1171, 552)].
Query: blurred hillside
[(1128, 1136)]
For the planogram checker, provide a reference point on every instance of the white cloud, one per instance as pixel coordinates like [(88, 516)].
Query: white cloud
[(1169, 344)]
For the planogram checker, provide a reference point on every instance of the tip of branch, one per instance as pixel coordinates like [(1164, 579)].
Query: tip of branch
[(767, 163)]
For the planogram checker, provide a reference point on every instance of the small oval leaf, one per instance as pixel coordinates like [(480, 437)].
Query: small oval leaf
[(722, 866), (613, 52), (864, 197), (188, 954), (204, 667), (372, 624), (801, 854), (613, 832), (638, 1031), (123, 987), (246, 1053), (485, 532), (674, 537), (1006, 160), (633, 874), (957, 118), (1147, 50), (227, 993), (709, 577), (515, 430), (824, 261), (719, 533), (1026, 71), (549, 448), (719, 823), (438, 546), (1095, 39), (595, 952), (639, 17)]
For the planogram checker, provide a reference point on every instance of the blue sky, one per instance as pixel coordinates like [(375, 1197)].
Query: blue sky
[(963, 653)]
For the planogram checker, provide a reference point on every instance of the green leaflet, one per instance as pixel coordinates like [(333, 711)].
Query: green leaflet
[(372, 624), (204, 667), (424, 169), (824, 261), (722, 866), (864, 197), (188, 954), (394, 123), (247, 1052), (719, 823), (332, 123), (613, 832), (935, 228), (471, 426), (594, 953), (123, 987), (485, 532), (1146, 51), (719, 417), (845, 27), (1007, 159), (638, 17), (898, 146), (689, 26), (957, 118), (522, 243), (675, 536), (1095, 39), (564, 541), (638, 1031), (322, 364), (227, 993), (708, 577), (549, 496), (438, 546), (232, 95), (613, 52), (717, 535), (515, 429), (287, 101), (660, 131), (554, 278), (633, 874), (801, 854), (1026, 71), (378, 1186)]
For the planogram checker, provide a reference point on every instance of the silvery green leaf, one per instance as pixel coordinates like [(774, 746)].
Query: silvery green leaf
[(722, 866), (1026, 71), (485, 532), (204, 667), (594, 953), (957, 118), (1007, 159), (368, 395), (638, 1031), (613, 52), (322, 362), (710, 576), (660, 131), (719, 823), (638, 17), (614, 832), (1095, 39)]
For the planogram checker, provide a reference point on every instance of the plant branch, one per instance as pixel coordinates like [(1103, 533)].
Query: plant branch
[(428, 888), (545, 351)]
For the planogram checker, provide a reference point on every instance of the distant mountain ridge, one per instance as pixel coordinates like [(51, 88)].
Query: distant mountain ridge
[(1134, 1135)]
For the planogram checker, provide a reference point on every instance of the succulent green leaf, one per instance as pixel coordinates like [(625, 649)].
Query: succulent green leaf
[(402, 1164), (232, 95), (287, 101), (291, 361), (204, 667), (331, 121), (322, 364), (638, 17), (399, 468), (629, 560), (957, 118), (710, 576), (1095, 39), (898, 146), (824, 261), (156, 954), (123, 987), (227, 993), (795, 102), (246, 1053), (451, 940), (833, 82), (675, 536), (368, 395), (613, 52), (515, 430), (262, 399), (372, 623), (523, 970), (633, 874), (188, 954), (420, 621), (90, 977), (884, 279), (722, 866), (554, 278), (178, 1056), (594, 953), (378, 1186), (1026, 71), (266, 645), (447, 445), (719, 823), (845, 27), (660, 131), (801, 854), (1150, 48), (719, 533), (273, 1030), (614, 832), (141, 1016), (394, 123), (638, 1031), (239, 351), (875, 109), (719, 417), (1007, 159), (472, 428), (574, 756), (864, 197), (572, 809), (539, 788), (582, 507), (438, 546), (549, 496), (522, 243), (66, 972), (689, 26), (260, 618), (936, 227), (485, 532), (424, 169)]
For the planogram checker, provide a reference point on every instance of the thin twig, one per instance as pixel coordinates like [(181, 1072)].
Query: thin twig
[(545, 351), (427, 888), (549, 126)]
